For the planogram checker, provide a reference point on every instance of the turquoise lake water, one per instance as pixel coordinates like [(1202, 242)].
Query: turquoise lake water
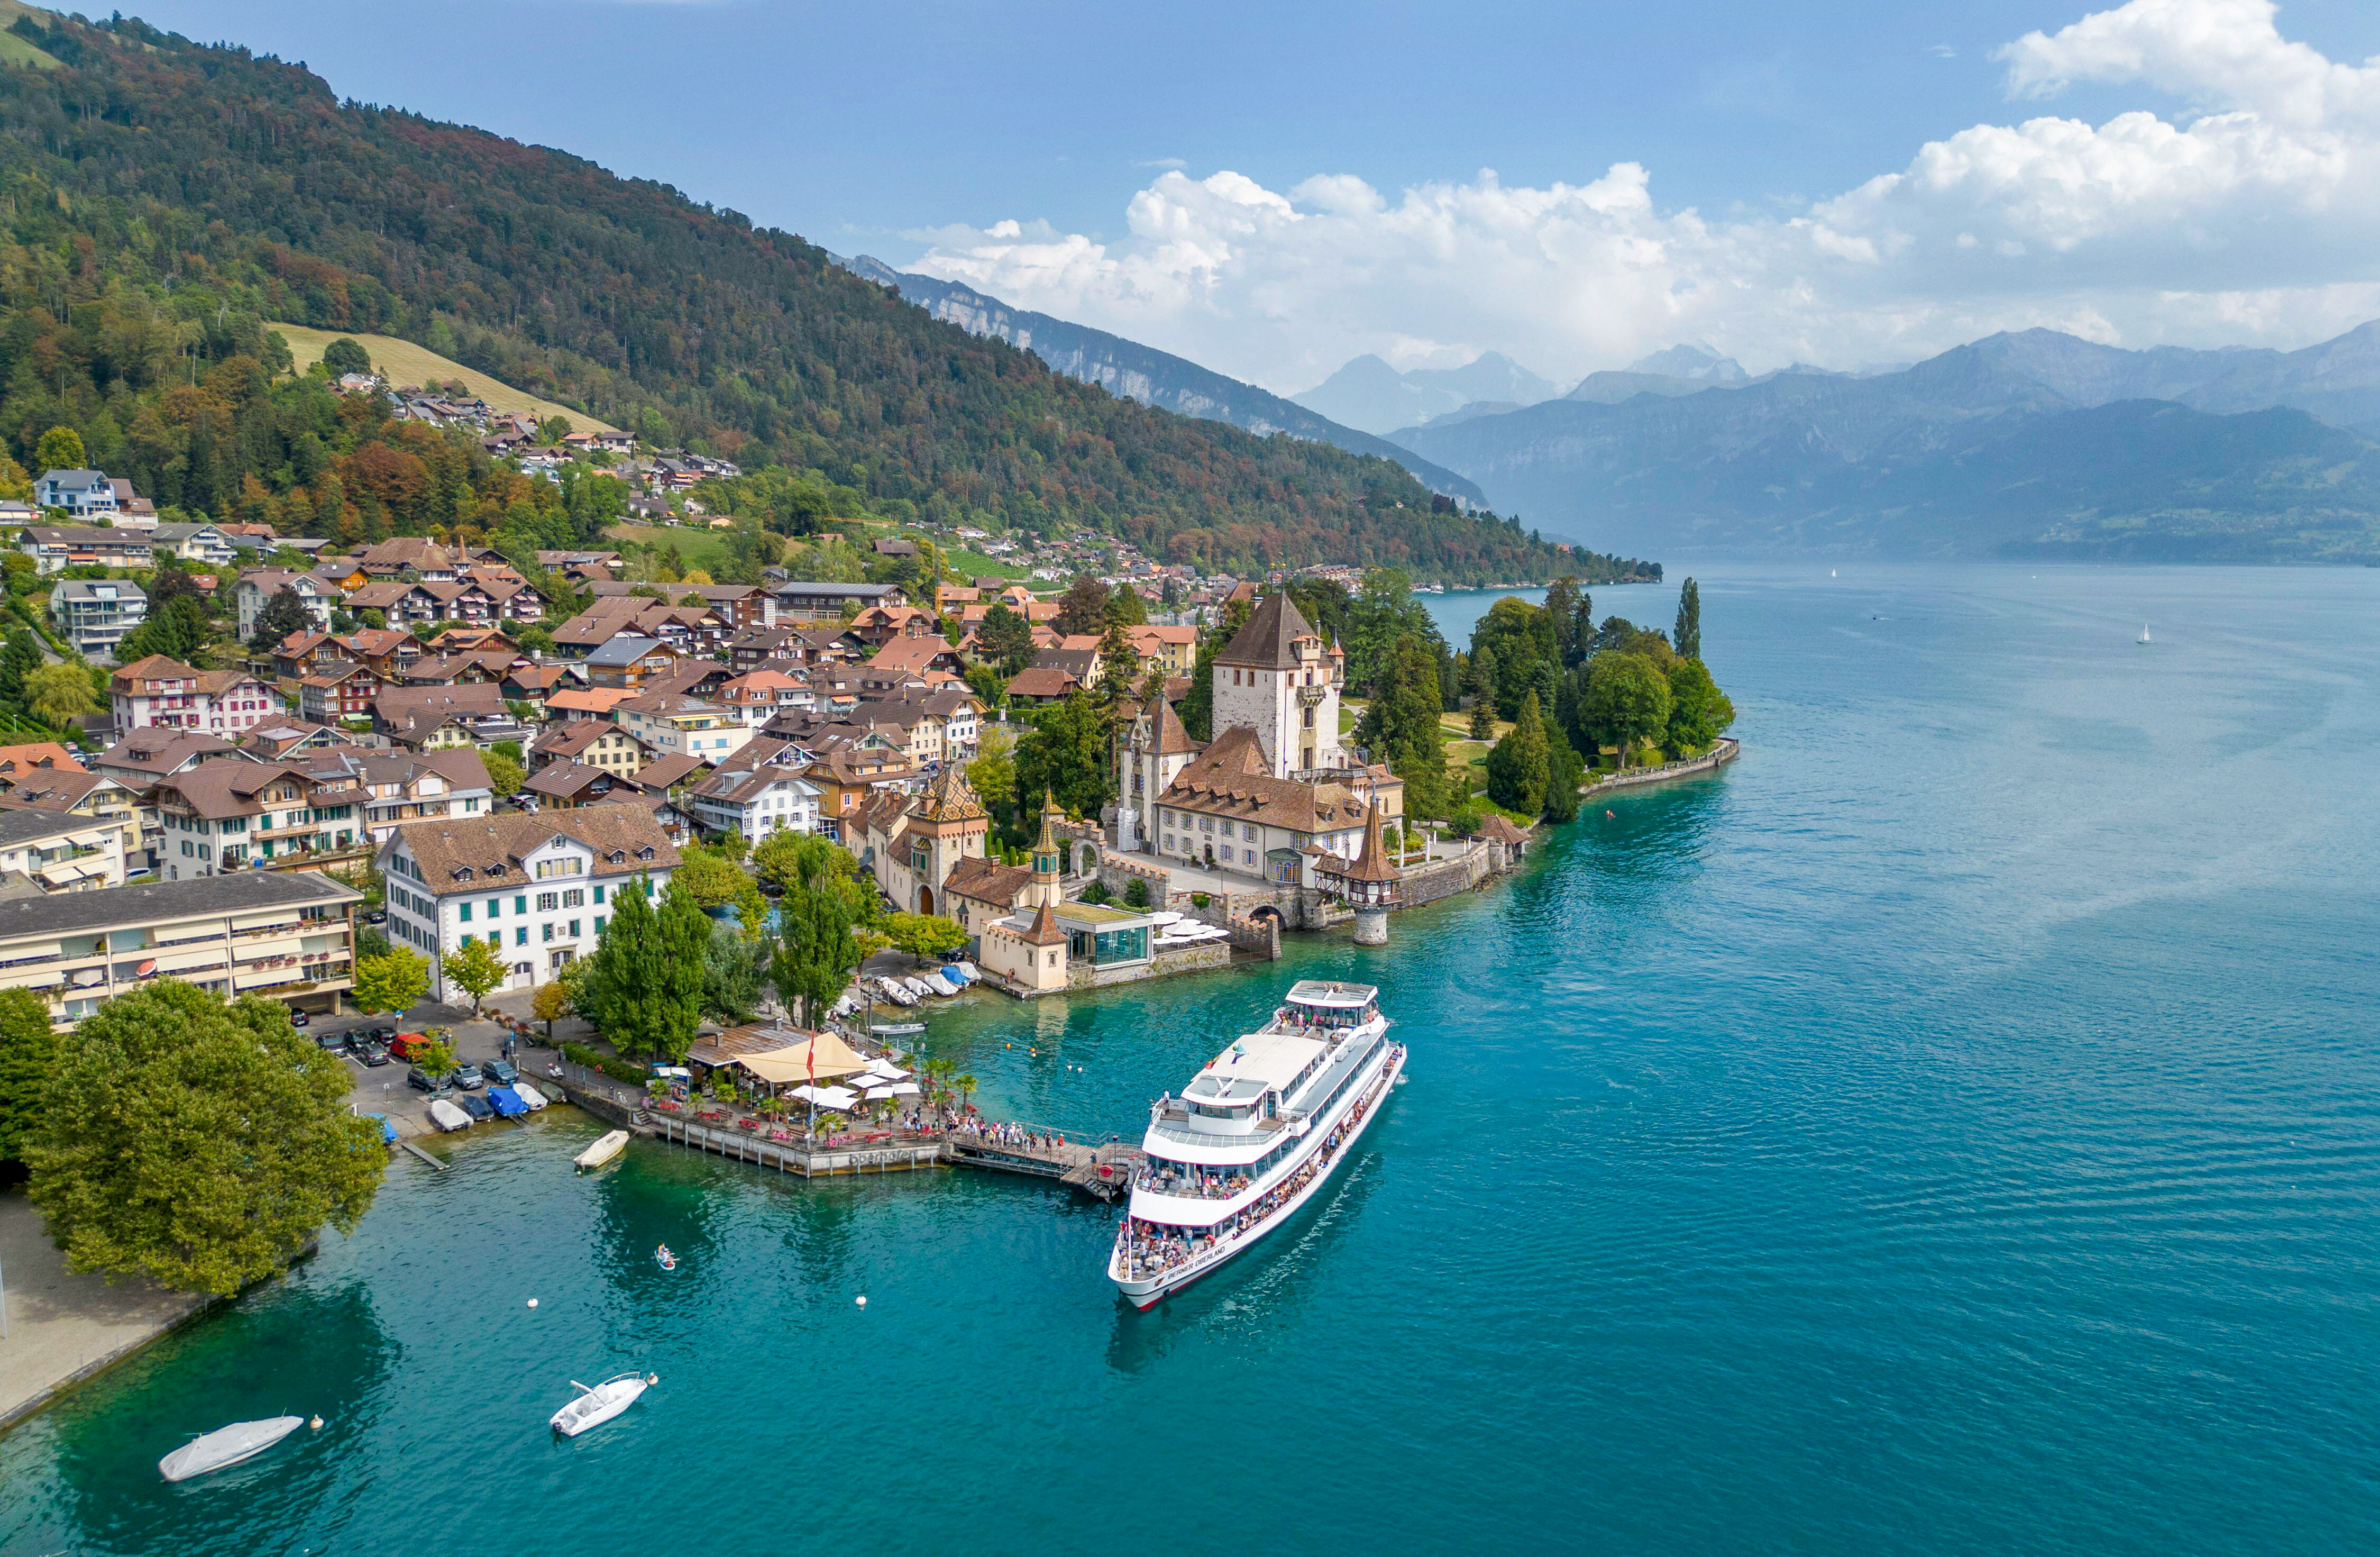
[(1951, 1131)]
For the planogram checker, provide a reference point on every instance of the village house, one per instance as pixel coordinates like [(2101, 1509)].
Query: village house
[(756, 791), (158, 692), (431, 718), (228, 816), (55, 548), (538, 888), (204, 543), (803, 600), (255, 589), (595, 743), (669, 722), (627, 662), (337, 692)]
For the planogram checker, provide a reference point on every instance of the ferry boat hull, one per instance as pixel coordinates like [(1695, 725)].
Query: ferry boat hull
[(1145, 1293)]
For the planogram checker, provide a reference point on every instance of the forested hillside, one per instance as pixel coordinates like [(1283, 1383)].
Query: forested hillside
[(159, 199)]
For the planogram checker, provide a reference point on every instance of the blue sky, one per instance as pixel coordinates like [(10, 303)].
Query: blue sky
[(913, 132)]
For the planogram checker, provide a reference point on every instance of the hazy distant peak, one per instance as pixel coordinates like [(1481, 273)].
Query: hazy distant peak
[(1370, 394), (1691, 360)]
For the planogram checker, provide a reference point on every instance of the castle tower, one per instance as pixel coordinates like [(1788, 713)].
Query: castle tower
[(1280, 679), (946, 825), (1372, 884), (1149, 756)]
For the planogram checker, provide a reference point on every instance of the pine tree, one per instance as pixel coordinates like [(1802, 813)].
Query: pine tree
[(1482, 693), (1687, 639)]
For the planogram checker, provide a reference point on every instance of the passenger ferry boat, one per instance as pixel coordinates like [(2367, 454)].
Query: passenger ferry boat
[(1253, 1136)]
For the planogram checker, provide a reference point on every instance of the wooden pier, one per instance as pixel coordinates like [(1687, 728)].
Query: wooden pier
[(1105, 1169), (788, 1157)]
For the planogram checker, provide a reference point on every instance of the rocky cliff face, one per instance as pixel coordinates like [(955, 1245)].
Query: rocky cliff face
[(1132, 371)]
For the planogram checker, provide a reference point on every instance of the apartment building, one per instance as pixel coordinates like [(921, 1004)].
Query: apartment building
[(668, 723), (55, 548), (757, 791), (45, 852), (94, 614), (256, 932), (539, 888)]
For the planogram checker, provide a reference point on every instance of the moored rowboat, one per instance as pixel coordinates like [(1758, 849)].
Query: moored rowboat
[(606, 1146)]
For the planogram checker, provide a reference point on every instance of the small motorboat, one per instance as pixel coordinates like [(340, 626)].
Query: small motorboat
[(897, 1029), (971, 972), (897, 992), (599, 1403), (227, 1446), (606, 1146), (922, 989), (387, 1130), (936, 984), (508, 1104), (664, 1257), (447, 1116), (529, 1095)]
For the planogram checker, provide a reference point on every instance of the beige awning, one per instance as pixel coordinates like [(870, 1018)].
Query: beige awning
[(89, 840), (63, 873), (793, 1063)]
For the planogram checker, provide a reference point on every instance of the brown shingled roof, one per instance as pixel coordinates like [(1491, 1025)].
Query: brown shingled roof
[(1232, 779), (1265, 642), (476, 843)]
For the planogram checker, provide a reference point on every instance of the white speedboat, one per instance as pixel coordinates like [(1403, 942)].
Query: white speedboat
[(227, 1446), (447, 1116), (936, 984), (919, 988), (529, 1095), (599, 1403), (897, 992), (1253, 1136)]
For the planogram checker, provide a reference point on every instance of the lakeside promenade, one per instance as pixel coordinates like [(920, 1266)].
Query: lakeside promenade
[(63, 1327)]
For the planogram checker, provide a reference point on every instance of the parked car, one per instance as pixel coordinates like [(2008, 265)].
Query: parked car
[(330, 1042), (378, 916), (374, 1055), (299, 1019), (421, 1080), (382, 1032), (501, 1072), (408, 1045), (478, 1107), (467, 1076)]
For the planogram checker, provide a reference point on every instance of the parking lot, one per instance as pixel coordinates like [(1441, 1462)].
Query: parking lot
[(383, 1088)]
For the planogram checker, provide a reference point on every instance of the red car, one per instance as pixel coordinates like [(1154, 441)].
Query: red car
[(408, 1046)]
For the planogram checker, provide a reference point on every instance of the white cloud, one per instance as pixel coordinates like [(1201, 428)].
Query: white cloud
[(2253, 217)]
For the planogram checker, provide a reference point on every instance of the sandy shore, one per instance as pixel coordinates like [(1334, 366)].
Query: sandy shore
[(63, 1327)]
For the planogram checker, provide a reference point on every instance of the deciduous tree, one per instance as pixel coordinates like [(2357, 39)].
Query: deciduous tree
[(924, 935), (1699, 711), (1626, 702), (198, 1144), (1687, 639), (475, 967), (60, 694), (395, 982)]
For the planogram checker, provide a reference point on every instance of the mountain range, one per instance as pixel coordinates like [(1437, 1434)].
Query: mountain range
[(1139, 372), (2034, 443), (1370, 395)]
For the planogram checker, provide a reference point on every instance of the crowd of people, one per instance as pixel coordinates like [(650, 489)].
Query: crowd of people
[(1025, 1137)]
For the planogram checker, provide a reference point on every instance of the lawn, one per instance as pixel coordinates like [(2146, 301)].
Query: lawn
[(402, 362), (705, 549)]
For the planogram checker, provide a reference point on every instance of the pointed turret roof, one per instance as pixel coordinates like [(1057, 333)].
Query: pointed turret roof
[(1273, 626), (1172, 738), (1372, 864), (1048, 842), (1044, 931)]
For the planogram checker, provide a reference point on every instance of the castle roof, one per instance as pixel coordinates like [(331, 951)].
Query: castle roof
[(1372, 864), (1230, 778), (1266, 641), (949, 798)]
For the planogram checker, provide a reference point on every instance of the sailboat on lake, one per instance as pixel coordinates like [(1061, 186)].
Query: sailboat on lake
[(2144, 634)]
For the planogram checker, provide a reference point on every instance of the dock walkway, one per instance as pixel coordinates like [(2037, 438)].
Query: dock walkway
[(1104, 1169)]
